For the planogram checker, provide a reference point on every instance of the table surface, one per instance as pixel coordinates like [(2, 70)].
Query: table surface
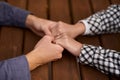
[(15, 41)]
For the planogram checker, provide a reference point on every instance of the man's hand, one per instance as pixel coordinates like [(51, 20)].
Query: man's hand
[(39, 26), (71, 30), (44, 52)]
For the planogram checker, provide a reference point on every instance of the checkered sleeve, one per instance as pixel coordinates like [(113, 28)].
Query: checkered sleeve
[(106, 21), (105, 60)]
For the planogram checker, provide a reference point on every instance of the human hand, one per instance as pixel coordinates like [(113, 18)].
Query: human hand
[(71, 30), (38, 25), (68, 43), (44, 52)]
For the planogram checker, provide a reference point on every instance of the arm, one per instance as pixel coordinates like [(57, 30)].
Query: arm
[(19, 68), (10, 15), (15, 69), (106, 21), (105, 60)]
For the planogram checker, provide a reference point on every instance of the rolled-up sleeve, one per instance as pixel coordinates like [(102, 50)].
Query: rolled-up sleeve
[(10, 15), (15, 69)]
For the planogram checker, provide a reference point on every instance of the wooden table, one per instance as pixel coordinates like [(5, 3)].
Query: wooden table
[(15, 41)]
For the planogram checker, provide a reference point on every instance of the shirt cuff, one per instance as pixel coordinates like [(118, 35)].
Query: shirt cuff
[(87, 27), (18, 68), (86, 54)]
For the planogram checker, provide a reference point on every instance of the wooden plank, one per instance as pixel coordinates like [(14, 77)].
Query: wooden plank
[(10, 42), (38, 7), (92, 74), (115, 1), (2, 26), (65, 68), (80, 9), (111, 41), (99, 5), (13, 40), (18, 3), (59, 10)]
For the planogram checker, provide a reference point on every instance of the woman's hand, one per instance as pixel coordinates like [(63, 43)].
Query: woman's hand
[(71, 30)]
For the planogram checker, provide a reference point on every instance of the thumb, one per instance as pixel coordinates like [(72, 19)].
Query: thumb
[(48, 32), (45, 40), (48, 29)]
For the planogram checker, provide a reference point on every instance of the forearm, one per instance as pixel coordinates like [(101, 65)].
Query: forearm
[(32, 60), (106, 21), (105, 60), (14, 69), (10, 15)]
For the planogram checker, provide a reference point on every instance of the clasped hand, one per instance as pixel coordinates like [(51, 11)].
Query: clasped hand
[(57, 37)]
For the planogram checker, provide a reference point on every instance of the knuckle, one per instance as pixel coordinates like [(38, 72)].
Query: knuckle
[(62, 49), (60, 56), (46, 36), (59, 22), (64, 35)]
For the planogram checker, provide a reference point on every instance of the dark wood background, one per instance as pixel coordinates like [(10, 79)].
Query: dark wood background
[(15, 41)]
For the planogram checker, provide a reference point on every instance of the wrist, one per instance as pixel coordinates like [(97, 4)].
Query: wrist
[(80, 28), (73, 46), (78, 49), (30, 21), (32, 60)]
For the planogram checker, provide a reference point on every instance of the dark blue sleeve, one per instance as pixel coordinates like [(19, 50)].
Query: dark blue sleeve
[(15, 69), (10, 15)]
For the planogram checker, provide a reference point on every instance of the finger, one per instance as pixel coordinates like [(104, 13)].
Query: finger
[(54, 30), (59, 42), (40, 33), (60, 48), (48, 32), (59, 36), (45, 40), (52, 25), (48, 38)]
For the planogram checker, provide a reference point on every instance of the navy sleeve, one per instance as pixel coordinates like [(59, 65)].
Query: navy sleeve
[(15, 69), (10, 15)]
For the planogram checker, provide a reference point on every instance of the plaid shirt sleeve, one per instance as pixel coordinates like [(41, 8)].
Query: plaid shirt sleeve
[(106, 21), (105, 60)]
